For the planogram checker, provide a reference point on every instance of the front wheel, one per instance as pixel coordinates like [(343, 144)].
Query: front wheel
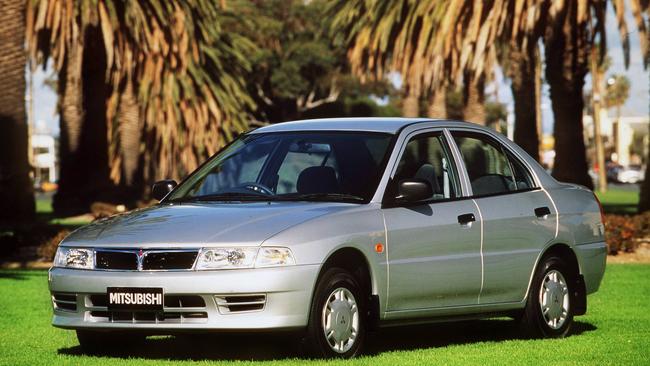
[(549, 311), (337, 318)]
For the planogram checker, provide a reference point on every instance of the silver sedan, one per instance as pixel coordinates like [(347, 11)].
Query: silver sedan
[(333, 227)]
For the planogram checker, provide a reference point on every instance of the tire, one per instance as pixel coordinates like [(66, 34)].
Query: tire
[(339, 305), (550, 290), (97, 341)]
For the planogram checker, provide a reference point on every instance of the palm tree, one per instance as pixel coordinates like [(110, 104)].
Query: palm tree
[(520, 58), (641, 11), (16, 193), (524, 75), (432, 44), (383, 36), (174, 77), (191, 83), (617, 91), (568, 41), (569, 30)]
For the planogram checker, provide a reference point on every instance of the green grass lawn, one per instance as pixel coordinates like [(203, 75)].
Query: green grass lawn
[(45, 213), (616, 330), (619, 201)]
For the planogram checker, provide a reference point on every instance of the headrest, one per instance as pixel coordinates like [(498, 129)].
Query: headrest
[(318, 179), (428, 173)]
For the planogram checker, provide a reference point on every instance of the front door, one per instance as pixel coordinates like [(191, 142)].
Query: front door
[(434, 257)]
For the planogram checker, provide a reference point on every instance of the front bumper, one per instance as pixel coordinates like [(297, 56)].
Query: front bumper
[(286, 294)]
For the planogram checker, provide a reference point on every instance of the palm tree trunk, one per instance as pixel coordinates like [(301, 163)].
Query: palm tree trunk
[(16, 192), (524, 92), (644, 200), (94, 142), (438, 104), (411, 104), (129, 130), (567, 63), (71, 114), (538, 100), (84, 174), (474, 99)]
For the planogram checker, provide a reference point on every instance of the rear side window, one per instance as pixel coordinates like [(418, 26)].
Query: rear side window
[(490, 169)]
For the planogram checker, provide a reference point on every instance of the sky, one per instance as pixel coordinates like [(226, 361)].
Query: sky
[(638, 103)]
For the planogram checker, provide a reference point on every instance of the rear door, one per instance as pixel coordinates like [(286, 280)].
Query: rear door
[(518, 217), (433, 246)]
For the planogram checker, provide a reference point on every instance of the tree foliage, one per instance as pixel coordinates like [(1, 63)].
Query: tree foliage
[(295, 66), (188, 70), (617, 90)]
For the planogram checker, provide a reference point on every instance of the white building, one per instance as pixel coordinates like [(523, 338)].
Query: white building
[(44, 148), (619, 136)]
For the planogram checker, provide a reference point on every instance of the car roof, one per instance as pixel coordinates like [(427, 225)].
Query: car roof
[(390, 125)]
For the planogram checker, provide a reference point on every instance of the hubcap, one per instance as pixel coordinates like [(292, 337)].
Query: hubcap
[(340, 320), (554, 299)]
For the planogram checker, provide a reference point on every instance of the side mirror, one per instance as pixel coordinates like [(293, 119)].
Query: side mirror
[(413, 190), (161, 188)]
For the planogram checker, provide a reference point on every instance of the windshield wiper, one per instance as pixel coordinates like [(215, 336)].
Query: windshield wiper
[(336, 197), (226, 196)]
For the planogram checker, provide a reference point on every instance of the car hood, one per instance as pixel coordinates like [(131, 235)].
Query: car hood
[(199, 224)]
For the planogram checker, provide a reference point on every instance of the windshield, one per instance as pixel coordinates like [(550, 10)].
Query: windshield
[(327, 166)]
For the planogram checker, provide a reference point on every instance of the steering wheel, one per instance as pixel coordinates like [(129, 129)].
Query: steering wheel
[(258, 188)]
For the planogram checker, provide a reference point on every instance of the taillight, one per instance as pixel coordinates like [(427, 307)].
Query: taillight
[(602, 211)]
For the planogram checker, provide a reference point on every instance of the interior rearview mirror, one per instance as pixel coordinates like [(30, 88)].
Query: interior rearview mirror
[(412, 190), (161, 188)]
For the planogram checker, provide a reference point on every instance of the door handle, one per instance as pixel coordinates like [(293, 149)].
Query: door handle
[(542, 212), (466, 218)]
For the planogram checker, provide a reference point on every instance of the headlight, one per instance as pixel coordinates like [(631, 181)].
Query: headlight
[(243, 257), (226, 258), (270, 257), (74, 258)]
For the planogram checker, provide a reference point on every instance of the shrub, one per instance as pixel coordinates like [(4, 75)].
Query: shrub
[(624, 233), (23, 242), (643, 222), (47, 249), (619, 233)]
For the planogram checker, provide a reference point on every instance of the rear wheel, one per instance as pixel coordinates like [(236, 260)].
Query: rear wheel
[(549, 311), (98, 341), (337, 321)]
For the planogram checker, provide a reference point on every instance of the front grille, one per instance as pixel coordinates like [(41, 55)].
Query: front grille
[(149, 317), (116, 260), (145, 260), (178, 309), (168, 260), (184, 301), (66, 302), (240, 303)]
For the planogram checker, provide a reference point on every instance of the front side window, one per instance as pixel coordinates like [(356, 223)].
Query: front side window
[(292, 166), (490, 169), (425, 157)]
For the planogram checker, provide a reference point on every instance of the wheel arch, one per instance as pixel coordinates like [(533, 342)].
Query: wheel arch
[(356, 262), (564, 251)]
